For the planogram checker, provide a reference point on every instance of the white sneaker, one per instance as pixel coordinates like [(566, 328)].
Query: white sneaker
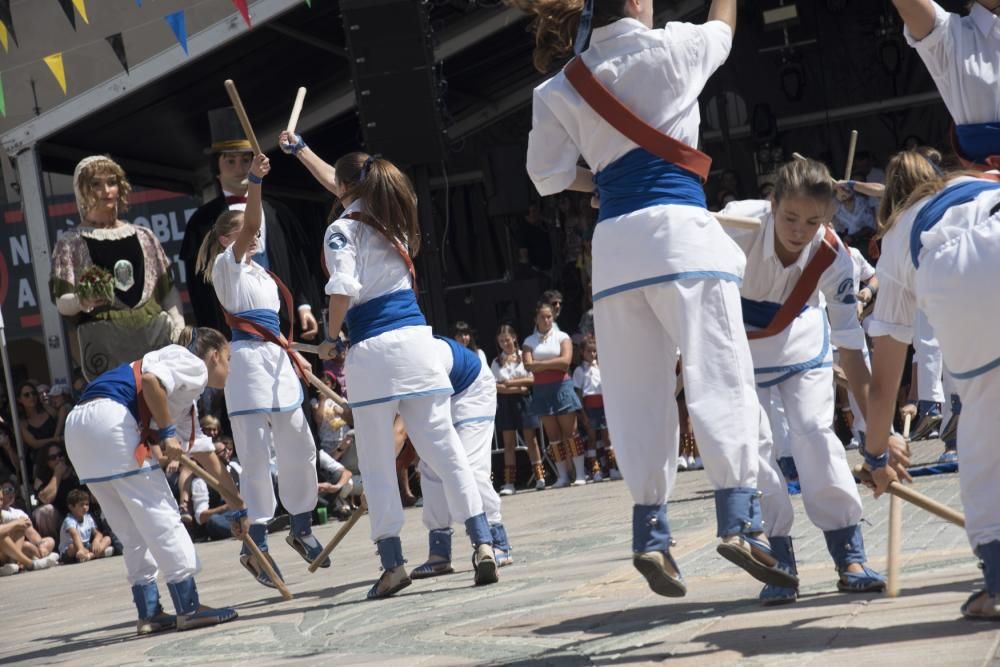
[(109, 552), (682, 463), (615, 475), (540, 485), (598, 477), (561, 483), (41, 564), (9, 569), (54, 557), (579, 482), (507, 490)]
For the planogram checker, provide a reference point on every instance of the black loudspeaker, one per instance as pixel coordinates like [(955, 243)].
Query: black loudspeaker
[(508, 188), (392, 65)]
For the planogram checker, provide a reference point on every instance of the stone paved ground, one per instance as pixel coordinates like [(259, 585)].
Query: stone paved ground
[(571, 598)]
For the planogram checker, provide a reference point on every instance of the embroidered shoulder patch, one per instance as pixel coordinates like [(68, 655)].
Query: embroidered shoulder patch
[(337, 241), (845, 291)]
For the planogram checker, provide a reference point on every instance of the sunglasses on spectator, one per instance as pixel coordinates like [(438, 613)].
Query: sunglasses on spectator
[(8, 489)]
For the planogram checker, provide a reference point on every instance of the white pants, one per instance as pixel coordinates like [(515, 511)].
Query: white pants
[(428, 423), (776, 418), (927, 357), (638, 334), (137, 503), (254, 435), (829, 492), (477, 438)]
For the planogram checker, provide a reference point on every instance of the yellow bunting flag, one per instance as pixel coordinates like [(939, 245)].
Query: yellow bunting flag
[(81, 6), (4, 37), (55, 63)]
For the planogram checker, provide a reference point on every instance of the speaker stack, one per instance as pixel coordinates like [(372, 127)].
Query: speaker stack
[(392, 64)]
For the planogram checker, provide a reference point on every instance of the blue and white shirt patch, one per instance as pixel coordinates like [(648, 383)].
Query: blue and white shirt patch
[(337, 241), (845, 291)]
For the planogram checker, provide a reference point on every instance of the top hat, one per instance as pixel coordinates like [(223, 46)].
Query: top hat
[(226, 132)]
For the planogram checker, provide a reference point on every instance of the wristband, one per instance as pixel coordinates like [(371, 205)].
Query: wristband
[(236, 515), (299, 146), (168, 431), (254, 178), (332, 341), (875, 462)]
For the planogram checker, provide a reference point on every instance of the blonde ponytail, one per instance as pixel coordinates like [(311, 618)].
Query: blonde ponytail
[(211, 246)]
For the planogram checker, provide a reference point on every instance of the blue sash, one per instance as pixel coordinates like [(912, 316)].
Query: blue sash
[(267, 319), (118, 384), (934, 210), (382, 314), (465, 366), (639, 179), (760, 313), (978, 142)]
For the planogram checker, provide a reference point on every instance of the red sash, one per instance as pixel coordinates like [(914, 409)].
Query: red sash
[(254, 329), (593, 401), (550, 377), (623, 119), (396, 244), (145, 417), (803, 289)]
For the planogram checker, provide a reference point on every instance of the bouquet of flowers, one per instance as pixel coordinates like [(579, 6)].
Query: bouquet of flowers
[(96, 284)]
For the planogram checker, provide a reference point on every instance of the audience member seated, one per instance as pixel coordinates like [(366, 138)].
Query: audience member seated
[(329, 417), (79, 538), (225, 449), (38, 423), (13, 557), (35, 546), (209, 510), (54, 479), (336, 486)]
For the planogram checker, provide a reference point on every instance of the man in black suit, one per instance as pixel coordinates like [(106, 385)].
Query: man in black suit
[(283, 237)]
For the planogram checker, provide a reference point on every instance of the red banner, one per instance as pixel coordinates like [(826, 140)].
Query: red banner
[(165, 213)]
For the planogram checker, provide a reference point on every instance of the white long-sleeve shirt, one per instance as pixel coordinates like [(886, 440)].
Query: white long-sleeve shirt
[(962, 55), (184, 377)]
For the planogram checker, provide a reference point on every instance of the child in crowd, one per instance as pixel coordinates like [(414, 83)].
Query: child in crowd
[(79, 538), (587, 380), (328, 416), (513, 409)]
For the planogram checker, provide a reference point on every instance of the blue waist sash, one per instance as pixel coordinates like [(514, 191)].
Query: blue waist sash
[(465, 366), (382, 314), (934, 210), (760, 313), (639, 179), (978, 142), (118, 384), (267, 319)]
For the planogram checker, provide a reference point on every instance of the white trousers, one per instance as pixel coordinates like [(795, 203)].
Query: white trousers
[(829, 492), (775, 410), (143, 514), (288, 432), (477, 438), (428, 423), (928, 359), (638, 334)]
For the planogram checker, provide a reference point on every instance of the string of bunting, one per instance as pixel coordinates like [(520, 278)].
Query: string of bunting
[(71, 8)]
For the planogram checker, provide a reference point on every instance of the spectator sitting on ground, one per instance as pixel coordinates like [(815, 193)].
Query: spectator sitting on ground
[(336, 486), (225, 449), (54, 479), (12, 555), (211, 426), (35, 546), (38, 424), (209, 509), (9, 466), (79, 538), (328, 416)]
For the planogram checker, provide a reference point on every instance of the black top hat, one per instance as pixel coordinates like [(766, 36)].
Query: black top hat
[(226, 132)]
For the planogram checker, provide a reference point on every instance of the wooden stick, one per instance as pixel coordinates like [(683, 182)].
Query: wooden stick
[(231, 500), (341, 534), (737, 221), (895, 504), (798, 156), (305, 347), (241, 113), (850, 154), (326, 391), (293, 120), (914, 497)]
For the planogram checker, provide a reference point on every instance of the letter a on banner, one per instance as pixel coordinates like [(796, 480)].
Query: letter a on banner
[(176, 23), (55, 63), (244, 11)]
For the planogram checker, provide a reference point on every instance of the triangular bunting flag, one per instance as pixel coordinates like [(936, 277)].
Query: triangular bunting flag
[(309, 4), (67, 7), (244, 11), (81, 6), (7, 20), (3, 102), (176, 23), (4, 39), (55, 63), (118, 46)]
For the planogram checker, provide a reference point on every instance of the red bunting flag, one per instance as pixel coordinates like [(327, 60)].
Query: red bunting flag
[(241, 5)]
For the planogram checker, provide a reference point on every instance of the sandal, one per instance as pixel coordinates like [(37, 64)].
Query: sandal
[(988, 608)]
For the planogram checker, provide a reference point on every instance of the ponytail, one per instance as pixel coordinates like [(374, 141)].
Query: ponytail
[(556, 24), (211, 246), (201, 341), (389, 203)]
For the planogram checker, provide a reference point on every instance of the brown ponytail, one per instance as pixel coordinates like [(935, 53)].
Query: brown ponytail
[(205, 340), (211, 246), (556, 23), (389, 203)]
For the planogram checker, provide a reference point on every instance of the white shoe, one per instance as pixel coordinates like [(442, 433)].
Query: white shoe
[(9, 569), (561, 483), (109, 552), (41, 564), (507, 490), (579, 482), (695, 463), (54, 557), (682, 464), (540, 485), (615, 475)]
